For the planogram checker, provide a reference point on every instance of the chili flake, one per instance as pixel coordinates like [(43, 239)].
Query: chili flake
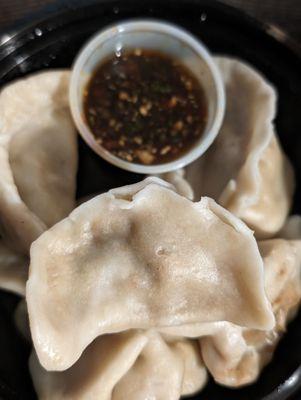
[(145, 107)]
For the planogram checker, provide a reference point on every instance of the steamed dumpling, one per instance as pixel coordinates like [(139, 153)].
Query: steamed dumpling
[(94, 376), (13, 270), (130, 365), (157, 374), (38, 157), (163, 371), (195, 373), (235, 355), (245, 169), (222, 340), (46, 177), (140, 256)]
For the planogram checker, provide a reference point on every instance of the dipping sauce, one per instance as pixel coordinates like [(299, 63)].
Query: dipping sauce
[(145, 107)]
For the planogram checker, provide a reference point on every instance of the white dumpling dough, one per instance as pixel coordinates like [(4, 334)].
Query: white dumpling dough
[(94, 376), (163, 371), (245, 169), (157, 374), (235, 355), (140, 256), (131, 365), (38, 156), (195, 373)]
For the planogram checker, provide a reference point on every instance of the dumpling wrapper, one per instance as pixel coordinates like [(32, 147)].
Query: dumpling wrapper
[(54, 385), (94, 376), (222, 346), (157, 374), (195, 374), (154, 365), (177, 179), (140, 256), (13, 270), (130, 365), (253, 348), (245, 169), (38, 157), (235, 355), (163, 371), (174, 367)]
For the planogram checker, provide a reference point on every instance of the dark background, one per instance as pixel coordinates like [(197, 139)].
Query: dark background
[(285, 14)]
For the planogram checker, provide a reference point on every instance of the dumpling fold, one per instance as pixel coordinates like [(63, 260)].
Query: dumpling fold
[(245, 169), (141, 257), (38, 157), (131, 365), (234, 355)]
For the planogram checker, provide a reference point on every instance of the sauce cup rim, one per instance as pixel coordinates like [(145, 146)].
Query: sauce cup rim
[(149, 25)]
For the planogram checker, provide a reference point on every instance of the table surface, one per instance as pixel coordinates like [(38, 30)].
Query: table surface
[(286, 14)]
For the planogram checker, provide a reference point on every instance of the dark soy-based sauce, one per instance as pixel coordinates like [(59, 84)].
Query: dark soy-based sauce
[(145, 107)]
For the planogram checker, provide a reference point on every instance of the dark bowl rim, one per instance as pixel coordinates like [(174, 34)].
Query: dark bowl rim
[(38, 19)]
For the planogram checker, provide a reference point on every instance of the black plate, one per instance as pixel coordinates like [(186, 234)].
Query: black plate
[(54, 42)]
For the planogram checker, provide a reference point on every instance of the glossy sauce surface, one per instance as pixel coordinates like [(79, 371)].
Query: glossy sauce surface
[(145, 107)]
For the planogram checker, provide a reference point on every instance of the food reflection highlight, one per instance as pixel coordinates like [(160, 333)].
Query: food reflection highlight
[(143, 290)]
